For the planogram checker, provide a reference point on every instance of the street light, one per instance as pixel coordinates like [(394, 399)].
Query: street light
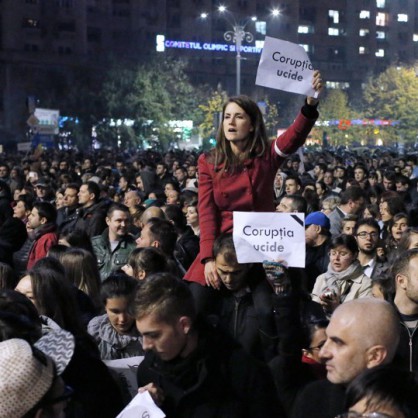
[(237, 35)]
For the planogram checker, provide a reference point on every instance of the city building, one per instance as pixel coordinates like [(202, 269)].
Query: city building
[(47, 42)]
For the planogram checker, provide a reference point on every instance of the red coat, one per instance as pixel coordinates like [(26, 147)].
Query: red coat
[(251, 190), (45, 239)]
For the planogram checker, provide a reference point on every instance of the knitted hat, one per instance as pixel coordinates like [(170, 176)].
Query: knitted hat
[(27, 374), (25, 378)]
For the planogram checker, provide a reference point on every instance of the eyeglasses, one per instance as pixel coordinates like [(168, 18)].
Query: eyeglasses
[(365, 234), (342, 254), (318, 347), (366, 415)]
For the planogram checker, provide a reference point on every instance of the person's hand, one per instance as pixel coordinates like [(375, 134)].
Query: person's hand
[(318, 85), (276, 274), (329, 301), (211, 275), (156, 393)]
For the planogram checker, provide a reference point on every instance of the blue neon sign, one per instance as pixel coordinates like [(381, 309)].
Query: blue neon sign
[(163, 43)]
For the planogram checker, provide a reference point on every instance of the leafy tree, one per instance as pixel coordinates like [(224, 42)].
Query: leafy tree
[(151, 94), (335, 106), (392, 95), (211, 111), (271, 118)]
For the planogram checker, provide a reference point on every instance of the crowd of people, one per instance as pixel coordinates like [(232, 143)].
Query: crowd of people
[(132, 255)]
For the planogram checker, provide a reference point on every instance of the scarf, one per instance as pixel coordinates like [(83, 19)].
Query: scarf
[(343, 280)]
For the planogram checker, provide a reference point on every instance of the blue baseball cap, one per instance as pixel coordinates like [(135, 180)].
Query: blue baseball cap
[(318, 218)]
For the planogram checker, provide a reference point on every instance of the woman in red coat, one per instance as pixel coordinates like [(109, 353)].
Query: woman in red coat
[(238, 174)]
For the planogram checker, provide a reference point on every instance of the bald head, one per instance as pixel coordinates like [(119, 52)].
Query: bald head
[(362, 334), (373, 320), (152, 212)]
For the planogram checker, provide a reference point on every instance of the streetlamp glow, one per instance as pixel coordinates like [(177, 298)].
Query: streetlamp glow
[(237, 35)]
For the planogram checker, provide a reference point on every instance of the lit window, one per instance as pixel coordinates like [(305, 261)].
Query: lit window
[(305, 47), (160, 47), (333, 32), (361, 50), (343, 85), (365, 14), (380, 35), (334, 15), (259, 44), (381, 19), (402, 17), (260, 27), (364, 32), (380, 53), (415, 37), (303, 29), (380, 4)]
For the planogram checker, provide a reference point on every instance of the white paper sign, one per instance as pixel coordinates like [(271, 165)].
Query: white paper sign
[(272, 236), (124, 371), (142, 406), (285, 66)]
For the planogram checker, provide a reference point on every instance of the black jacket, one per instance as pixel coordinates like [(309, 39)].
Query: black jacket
[(249, 318), (93, 219), (218, 380), (187, 248), (321, 399)]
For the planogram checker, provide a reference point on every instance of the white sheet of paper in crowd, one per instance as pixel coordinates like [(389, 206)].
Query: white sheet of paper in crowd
[(285, 66), (271, 236), (124, 371), (142, 406)]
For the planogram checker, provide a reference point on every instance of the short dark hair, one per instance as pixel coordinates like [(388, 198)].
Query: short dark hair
[(164, 232), (94, 189), (295, 178), (353, 193), (345, 240), (46, 210), (299, 203), (149, 259), (116, 206), (367, 221), (165, 296), (118, 285), (224, 244), (401, 263)]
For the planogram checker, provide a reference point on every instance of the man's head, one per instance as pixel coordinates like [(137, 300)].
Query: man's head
[(161, 169), (293, 185), (71, 195), (41, 214), (348, 224), (317, 224), (116, 292), (4, 171), (405, 272), (191, 171), (132, 199), (363, 333), (165, 313), (367, 232), (232, 274), (158, 233), (180, 174), (389, 179), (89, 194), (117, 219), (360, 173), (352, 199), (319, 170), (292, 204)]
